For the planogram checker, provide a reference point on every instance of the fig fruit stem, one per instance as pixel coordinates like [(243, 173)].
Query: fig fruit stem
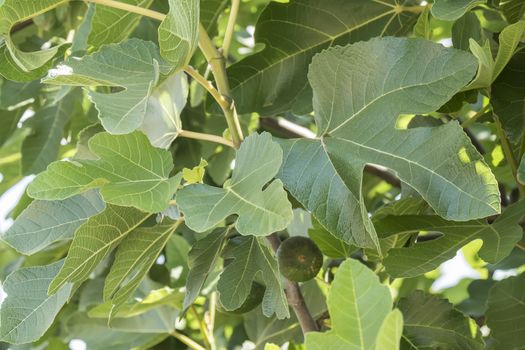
[(295, 297)]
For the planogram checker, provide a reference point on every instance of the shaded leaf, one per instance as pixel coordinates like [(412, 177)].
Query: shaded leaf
[(512, 9), (201, 261), (132, 65), (129, 172), (431, 322), (99, 336), (365, 86), (28, 311), (46, 222), (423, 28), (261, 212), (155, 299), (135, 256), (466, 28), (41, 147), (450, 10), (508, 97), (111, 25), (251, 257), (210, 11), (178, 33), (499, 238), (506, 307), (358, 306), (95, 239), (274, 79), (330, 245)]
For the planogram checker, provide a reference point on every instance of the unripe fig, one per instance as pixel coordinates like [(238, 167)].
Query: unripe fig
[(300, 259)]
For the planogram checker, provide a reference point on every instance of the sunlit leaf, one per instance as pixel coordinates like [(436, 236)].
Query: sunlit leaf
[(261, 212), (133, 66), (178, 33), (129, 171), (14, 11), (366, 86), (358, 306)]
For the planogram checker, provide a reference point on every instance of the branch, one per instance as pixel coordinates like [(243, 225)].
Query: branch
[(295, 297), (187, 341), (218, 67), (230, 29), (287, 129)]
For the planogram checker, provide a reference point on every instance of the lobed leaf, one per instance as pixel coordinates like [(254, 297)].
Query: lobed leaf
[(129, 172), (251, 257), (366, 86), (260, 212), (133, 66), (274, 80), (15, 11)]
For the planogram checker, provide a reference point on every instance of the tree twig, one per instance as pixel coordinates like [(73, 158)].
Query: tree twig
[(218, 68), (295, 297), (205, 137), (192, 344), (230, 28)]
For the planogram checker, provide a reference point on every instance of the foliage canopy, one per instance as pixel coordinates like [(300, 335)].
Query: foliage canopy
[(154, 155)]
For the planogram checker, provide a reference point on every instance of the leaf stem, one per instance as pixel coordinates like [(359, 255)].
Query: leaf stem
[(230, 28), (218, 67), (475, 117), (187, 341), (202, 326), (509, 155), (207, 85), (130, 8), (295, 297), (211, 317), (205, 137)]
